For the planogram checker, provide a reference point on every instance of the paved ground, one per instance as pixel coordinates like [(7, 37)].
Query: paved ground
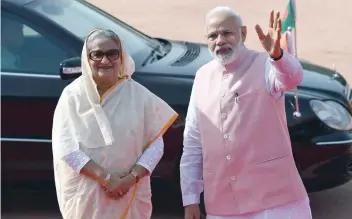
[(324, 37)]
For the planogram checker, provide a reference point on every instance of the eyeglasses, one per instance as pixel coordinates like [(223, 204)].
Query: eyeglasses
[(98, 55)]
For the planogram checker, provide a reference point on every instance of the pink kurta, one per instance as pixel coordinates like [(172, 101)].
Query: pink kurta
[(238, 136)]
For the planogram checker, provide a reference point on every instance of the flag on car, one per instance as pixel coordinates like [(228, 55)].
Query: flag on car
[(288, 43), (288, 25)]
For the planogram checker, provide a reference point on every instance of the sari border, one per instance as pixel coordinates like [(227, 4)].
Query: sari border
[(160, 133), (101, 97)]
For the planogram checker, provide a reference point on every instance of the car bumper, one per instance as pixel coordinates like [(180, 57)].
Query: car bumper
[(327, 162), (329, 174), (26, 160)]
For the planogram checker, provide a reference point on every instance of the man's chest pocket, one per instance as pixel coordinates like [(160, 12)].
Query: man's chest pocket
[(235, 101)]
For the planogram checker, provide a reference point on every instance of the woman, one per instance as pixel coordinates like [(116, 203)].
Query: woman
[(107, 140)]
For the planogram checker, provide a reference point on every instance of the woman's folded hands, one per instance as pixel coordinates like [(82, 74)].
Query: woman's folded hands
[(118, 185)]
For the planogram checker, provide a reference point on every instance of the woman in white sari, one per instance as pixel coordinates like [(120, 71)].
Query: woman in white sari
[(107, 136)]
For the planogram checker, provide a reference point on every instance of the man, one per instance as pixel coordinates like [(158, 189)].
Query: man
[(11, 42), (236, 141)]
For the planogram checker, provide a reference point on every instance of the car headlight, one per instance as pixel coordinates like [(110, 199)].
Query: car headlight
[(332, 114)]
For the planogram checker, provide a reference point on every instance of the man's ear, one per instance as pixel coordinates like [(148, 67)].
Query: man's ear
[(244, 33)]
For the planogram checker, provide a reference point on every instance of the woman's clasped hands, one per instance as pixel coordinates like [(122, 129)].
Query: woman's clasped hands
[(118, 185)]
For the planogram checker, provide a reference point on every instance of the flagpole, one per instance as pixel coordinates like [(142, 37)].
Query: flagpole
[(295, 29), (297, 113)]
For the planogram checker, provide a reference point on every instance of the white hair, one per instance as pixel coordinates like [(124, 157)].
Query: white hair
[(224, 10)]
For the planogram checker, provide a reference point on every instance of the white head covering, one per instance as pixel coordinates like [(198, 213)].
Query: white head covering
[(79, 116), (128, 68)]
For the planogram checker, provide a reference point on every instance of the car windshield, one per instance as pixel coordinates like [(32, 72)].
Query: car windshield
[(79, 18)]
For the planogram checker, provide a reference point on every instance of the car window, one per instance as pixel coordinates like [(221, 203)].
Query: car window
[(79, 18), (27, 50)]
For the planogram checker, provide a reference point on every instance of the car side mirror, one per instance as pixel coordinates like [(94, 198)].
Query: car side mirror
[(70, 68)]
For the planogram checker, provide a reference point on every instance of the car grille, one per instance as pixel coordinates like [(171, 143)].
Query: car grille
[(192, 53)]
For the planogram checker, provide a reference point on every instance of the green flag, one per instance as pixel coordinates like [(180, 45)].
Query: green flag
[(287, 41), (289, 44), (289, 16)]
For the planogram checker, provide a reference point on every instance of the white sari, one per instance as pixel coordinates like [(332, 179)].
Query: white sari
[(114, 133)]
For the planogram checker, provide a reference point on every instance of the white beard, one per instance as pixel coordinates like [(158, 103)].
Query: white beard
[(229, 57)]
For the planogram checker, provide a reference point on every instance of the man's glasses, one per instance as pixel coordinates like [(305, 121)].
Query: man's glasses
[(98, 55)]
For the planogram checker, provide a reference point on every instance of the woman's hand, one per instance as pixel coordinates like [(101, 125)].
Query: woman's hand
[(125, 184), (118, 185)]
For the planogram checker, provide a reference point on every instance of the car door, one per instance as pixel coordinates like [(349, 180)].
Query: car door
[(30, 88)]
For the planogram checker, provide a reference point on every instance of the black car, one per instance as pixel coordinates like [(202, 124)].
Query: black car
[(52, 35)]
